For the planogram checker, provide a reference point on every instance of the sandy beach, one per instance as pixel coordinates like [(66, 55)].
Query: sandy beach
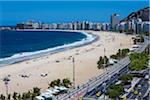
[(59, 65)]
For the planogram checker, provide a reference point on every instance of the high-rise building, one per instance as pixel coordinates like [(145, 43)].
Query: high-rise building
[(114, 21), (122, 26), (86, 25), (70, 26), (138, 27), (90, 26), (74, 26), (79, 26), (146, 27), (104, 27), (96, 26), (108, 26), (83, 25)]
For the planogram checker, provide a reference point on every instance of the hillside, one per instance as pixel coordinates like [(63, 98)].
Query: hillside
[(142, 13)]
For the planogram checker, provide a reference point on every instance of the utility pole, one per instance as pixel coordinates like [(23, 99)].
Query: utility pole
[(73, 61), (104, 58), (104, 52)]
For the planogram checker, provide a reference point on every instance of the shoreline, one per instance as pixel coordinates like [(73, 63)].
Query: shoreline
[(9, 60), (59, 65)]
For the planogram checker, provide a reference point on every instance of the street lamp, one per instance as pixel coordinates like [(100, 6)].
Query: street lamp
[(104, 51), (104, 56), (73, 61)]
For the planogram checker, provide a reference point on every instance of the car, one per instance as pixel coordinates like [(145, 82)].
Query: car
[(135, 46), (140, 94), (139, 86), (98, 94), (135, 92), (147, 77), (80, 98)]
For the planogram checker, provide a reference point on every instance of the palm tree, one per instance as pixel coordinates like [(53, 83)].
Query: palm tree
[(51, 84), (99, 63), (114, 56), (9, 96), (2, 97), (106, 60), (23, 96), (58, 82), (102, 62), (66, 82), (36, 90), (26, 95), (19, 96), (15, 96), (55, 83)]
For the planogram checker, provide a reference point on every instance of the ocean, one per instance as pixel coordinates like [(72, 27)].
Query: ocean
[(22, 45)]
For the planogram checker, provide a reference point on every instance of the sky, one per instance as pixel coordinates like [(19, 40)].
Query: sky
[(13, 12)]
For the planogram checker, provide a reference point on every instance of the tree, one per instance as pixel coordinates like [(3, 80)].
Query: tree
[(19, 96), (124, 52), (120, 54), (105, 60), (99, 63), (33, 96), (15, 96), (9, 96), (115, 91), (139, 61), (52, 84), (26, 95), (102, 62), (66, 82), (126, 77), (58, 82), (36, 91), (114, 56), (55, 83), (2, 97)]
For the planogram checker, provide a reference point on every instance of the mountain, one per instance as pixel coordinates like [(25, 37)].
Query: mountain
[(144, 14)]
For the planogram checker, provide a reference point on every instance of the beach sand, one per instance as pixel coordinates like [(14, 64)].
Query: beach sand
[(59, 65)]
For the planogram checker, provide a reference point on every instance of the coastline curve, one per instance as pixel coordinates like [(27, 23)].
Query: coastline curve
[(19, 57)]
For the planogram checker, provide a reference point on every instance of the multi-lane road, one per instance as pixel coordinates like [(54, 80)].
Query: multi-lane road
[(92, 84), (103, 78)]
